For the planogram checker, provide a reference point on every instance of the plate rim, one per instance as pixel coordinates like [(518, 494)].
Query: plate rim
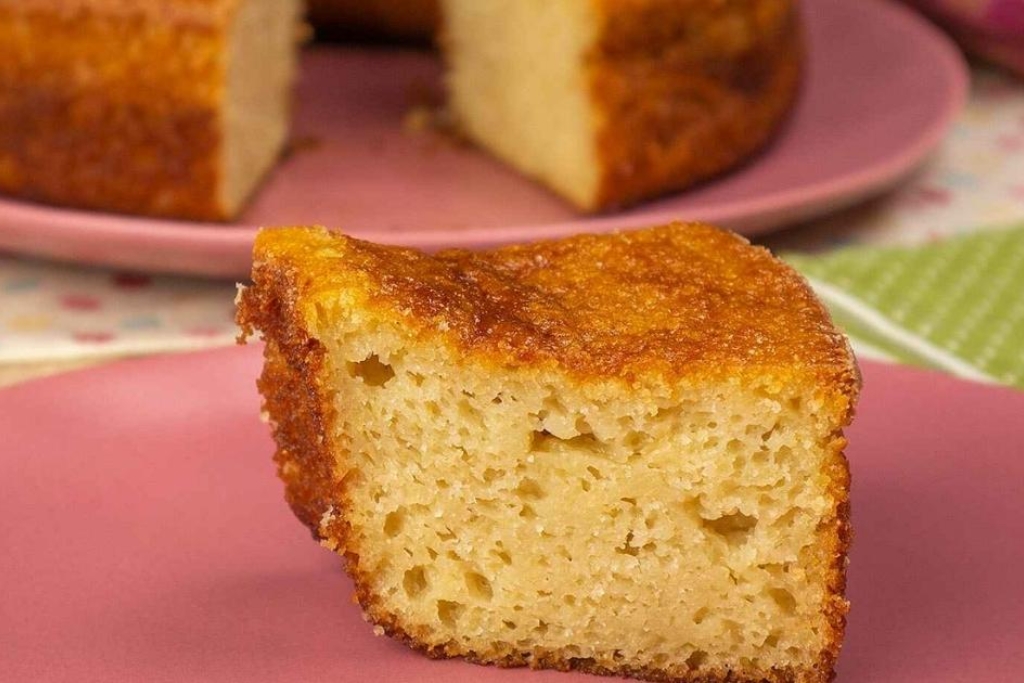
[(223, 249)]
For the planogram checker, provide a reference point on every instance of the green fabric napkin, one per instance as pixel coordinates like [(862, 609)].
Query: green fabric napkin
[(956, 305)]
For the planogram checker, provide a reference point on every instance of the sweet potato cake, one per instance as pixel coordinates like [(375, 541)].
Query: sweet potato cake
[(619, 454)]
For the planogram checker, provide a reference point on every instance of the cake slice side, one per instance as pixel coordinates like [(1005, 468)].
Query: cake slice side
[(261, 66), (160, 108), (533, 501), (519, 88)]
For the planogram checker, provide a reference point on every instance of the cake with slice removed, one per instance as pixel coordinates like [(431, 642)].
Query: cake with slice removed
[(610, 102), (619, 454)]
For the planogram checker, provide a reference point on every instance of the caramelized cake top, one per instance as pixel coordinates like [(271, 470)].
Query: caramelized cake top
[(675, 301)]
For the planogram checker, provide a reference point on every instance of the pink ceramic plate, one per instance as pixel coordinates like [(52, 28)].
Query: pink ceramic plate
[(881, 88), (144, 537)]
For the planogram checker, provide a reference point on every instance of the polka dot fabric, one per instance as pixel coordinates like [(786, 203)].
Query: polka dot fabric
[(52, 312)]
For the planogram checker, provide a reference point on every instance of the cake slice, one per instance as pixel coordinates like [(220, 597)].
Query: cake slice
[(621, 454), (156, 107), (610, 102)]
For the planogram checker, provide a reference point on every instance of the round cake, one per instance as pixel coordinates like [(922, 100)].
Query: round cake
[(178, 108)]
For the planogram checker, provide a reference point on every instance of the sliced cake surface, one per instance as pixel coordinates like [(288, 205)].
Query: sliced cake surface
[(609, 102), (156, 107), (618, 454)]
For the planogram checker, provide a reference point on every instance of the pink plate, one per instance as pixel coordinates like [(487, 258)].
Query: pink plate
[(881, 89), (144, 537)]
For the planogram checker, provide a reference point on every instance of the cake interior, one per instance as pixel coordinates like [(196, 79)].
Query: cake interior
[(523, 91), (515, 514), (261, 64)]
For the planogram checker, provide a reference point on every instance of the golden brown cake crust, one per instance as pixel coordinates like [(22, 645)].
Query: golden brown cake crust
[(114, 105), (676, 301), (291, 266), (688, 89)]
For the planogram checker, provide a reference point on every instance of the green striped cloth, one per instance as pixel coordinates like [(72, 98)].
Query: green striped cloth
[(955, 305)]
